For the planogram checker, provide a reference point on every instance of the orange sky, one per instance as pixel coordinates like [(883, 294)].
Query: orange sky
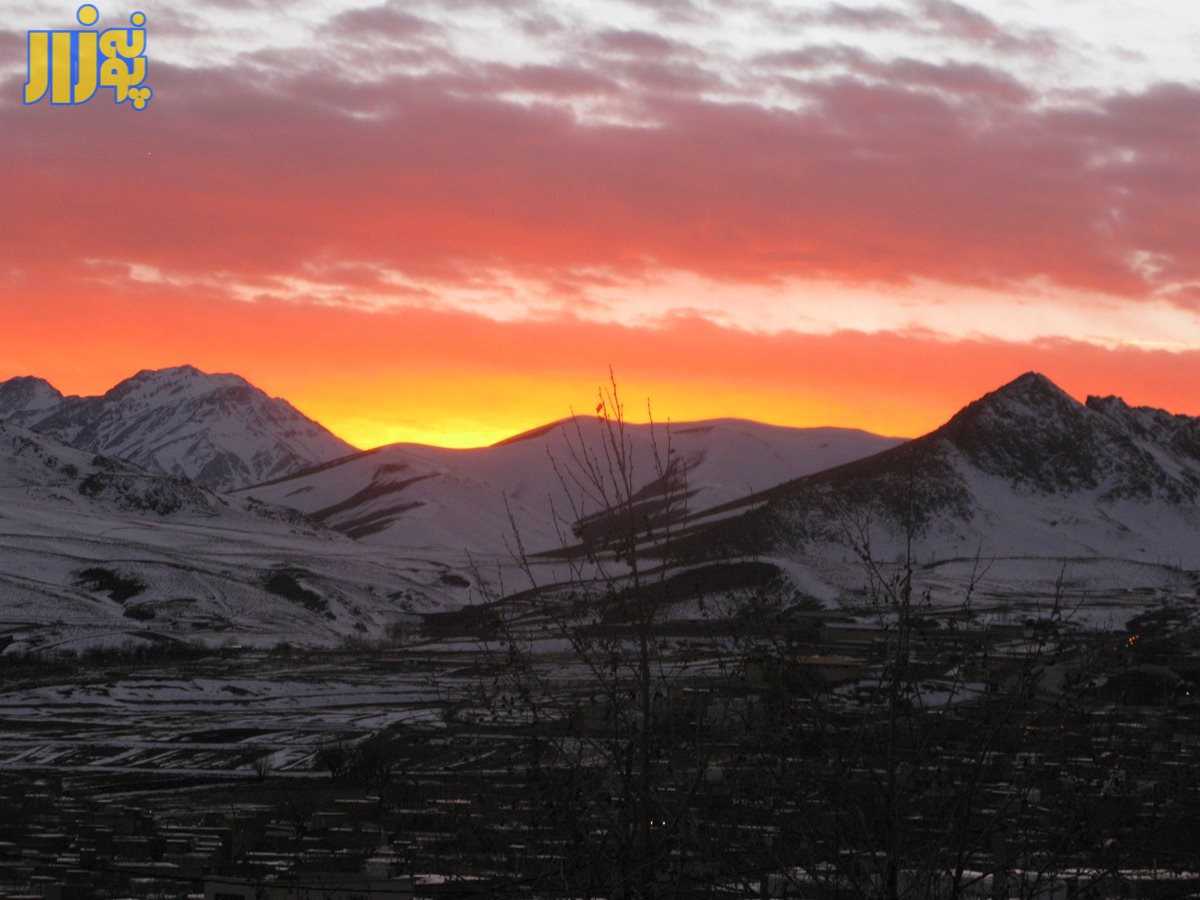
[(445, 228), (462, 380)]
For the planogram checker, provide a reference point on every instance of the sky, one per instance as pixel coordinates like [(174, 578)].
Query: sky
[(445, 221)]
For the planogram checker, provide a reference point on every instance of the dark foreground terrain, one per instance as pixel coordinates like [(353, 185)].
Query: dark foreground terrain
[(788, 753)]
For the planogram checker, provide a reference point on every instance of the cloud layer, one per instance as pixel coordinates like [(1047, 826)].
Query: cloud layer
[(524, 164)]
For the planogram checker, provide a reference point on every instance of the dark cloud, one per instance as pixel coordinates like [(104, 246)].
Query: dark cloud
[(637, 43), (943, 19), (389, 21)]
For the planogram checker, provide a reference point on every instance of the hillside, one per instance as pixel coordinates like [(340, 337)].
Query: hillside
[(218, 430)]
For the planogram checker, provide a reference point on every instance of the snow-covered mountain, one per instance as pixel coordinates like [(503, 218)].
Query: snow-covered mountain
[(95, 550), (1025, 471), (91, 546), (26, 399), (218, 430), (43, 469), (411, 496)]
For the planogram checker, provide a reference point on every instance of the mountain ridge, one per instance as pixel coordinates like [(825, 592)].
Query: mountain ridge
[(411, 493), (216, 429), (359, 541), (96, 550), (1009, 470)]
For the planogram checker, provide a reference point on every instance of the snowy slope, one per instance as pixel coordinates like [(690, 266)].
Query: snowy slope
[(438, 499), (1026, 475), (1026, 471), (28, 459), (95, 550), (26, 399), (218, 430)]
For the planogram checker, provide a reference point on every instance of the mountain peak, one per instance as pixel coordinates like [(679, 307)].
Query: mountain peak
[(26, 397), (183, 377), (1036, 435), (218, 430), (1024, 469), (1032, 432), (1032, 389), (1031, 378), (185, 371), (28, 381), (1032, 400)]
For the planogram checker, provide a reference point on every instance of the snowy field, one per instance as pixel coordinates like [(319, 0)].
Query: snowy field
[(215, 716)]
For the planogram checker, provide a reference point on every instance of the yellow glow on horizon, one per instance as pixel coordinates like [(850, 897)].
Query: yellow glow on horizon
[(457, 380), (465, 411)]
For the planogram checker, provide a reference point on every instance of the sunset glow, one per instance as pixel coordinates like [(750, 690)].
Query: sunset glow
[(419, 225)]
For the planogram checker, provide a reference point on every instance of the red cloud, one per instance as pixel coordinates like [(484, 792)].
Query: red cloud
[(888, 172), (613, 163)]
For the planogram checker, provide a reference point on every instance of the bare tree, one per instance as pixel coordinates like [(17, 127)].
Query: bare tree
[(622, 722)]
